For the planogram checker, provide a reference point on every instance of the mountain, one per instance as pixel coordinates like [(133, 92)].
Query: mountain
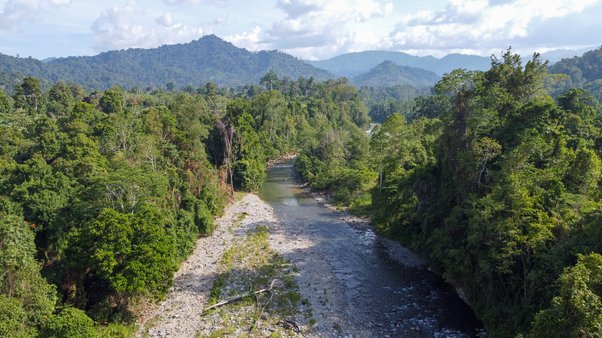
[(206, 59), (388, 74), (584, 72), (352, 64), (556, 55)]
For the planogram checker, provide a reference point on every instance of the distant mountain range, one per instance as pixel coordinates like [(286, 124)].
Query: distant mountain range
[(389, 74), (213, 59), (207, 59), (353, 64), (556, 55), (583, 72)]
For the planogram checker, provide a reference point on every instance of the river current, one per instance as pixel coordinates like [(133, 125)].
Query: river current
[(385, 298)]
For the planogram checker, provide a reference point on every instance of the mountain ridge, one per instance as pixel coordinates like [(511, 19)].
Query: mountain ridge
[(200, 61), (212, 59), (388, 74), (356, 63)]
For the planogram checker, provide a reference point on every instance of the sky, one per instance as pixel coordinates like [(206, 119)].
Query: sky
[(307, 29)]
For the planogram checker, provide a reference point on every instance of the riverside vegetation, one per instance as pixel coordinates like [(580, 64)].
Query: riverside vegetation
[(493, 181), (103, 194)]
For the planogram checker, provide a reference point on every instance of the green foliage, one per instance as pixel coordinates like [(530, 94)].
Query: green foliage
[(28, 96), (501, 195), (14, 319), (69, 322), (131, 251), (336, 160), (583, 72), (388, 74), (6, 105), (116, 186), (249, 167), (384, 101), (494, 182), (20, 276), (249, 174), (60, 100), (62, 170), (434, 106), (111, 102), (577, 310)]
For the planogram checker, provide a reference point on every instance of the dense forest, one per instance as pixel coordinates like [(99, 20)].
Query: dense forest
[(583, 72), (497, 184), (502, 193), (103, 194)]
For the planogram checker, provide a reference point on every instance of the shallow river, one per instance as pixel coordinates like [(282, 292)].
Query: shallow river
[(378, 297)]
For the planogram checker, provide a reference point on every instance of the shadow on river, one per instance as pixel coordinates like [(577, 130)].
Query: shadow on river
[(382, 297)]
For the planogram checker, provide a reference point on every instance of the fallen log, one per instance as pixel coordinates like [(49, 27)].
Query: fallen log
[(237, 298)]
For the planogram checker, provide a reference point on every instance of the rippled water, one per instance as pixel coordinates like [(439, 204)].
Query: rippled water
[(388, 298)]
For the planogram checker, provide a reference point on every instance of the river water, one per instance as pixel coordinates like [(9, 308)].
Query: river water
[(378, 297)]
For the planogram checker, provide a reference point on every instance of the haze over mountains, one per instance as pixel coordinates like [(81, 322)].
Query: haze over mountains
[(213, 59), (352, 64)]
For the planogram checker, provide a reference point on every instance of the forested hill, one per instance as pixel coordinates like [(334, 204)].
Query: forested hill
[(388, 74), (198, 62), (104, 194), (353, 64), (583, 71)]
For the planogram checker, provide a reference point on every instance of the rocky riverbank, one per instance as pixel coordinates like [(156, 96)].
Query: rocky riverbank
[(180, 315), (331, 279)]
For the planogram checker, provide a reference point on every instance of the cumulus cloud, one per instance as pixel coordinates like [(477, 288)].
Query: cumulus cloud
[(250, 40), (165, 20), (60, 2), (313, 28), (179, 2), (17, 12), (479, 24), (120, 27)]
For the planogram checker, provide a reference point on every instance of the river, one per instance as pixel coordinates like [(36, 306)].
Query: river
[(369, 294)]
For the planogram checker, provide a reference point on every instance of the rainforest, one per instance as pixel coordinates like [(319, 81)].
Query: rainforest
[(493, 177)]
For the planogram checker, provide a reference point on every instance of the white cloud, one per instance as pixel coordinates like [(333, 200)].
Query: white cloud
[(314, 28), (311, 29), (60, 2), (124, 27), (250, 40), (17, 12), (165, 20), (179, 2), (479, 24)]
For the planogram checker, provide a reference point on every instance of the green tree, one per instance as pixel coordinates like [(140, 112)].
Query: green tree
[(29, 96), (13, 319), (69, 322), (60, 100), (20, 276), (269, 80), (6, 106), (250, 162), (577, 309), (435, 106), (131, 251), (111, 101)]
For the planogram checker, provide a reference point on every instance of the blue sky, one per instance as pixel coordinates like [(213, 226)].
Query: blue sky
[(310, 29)]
